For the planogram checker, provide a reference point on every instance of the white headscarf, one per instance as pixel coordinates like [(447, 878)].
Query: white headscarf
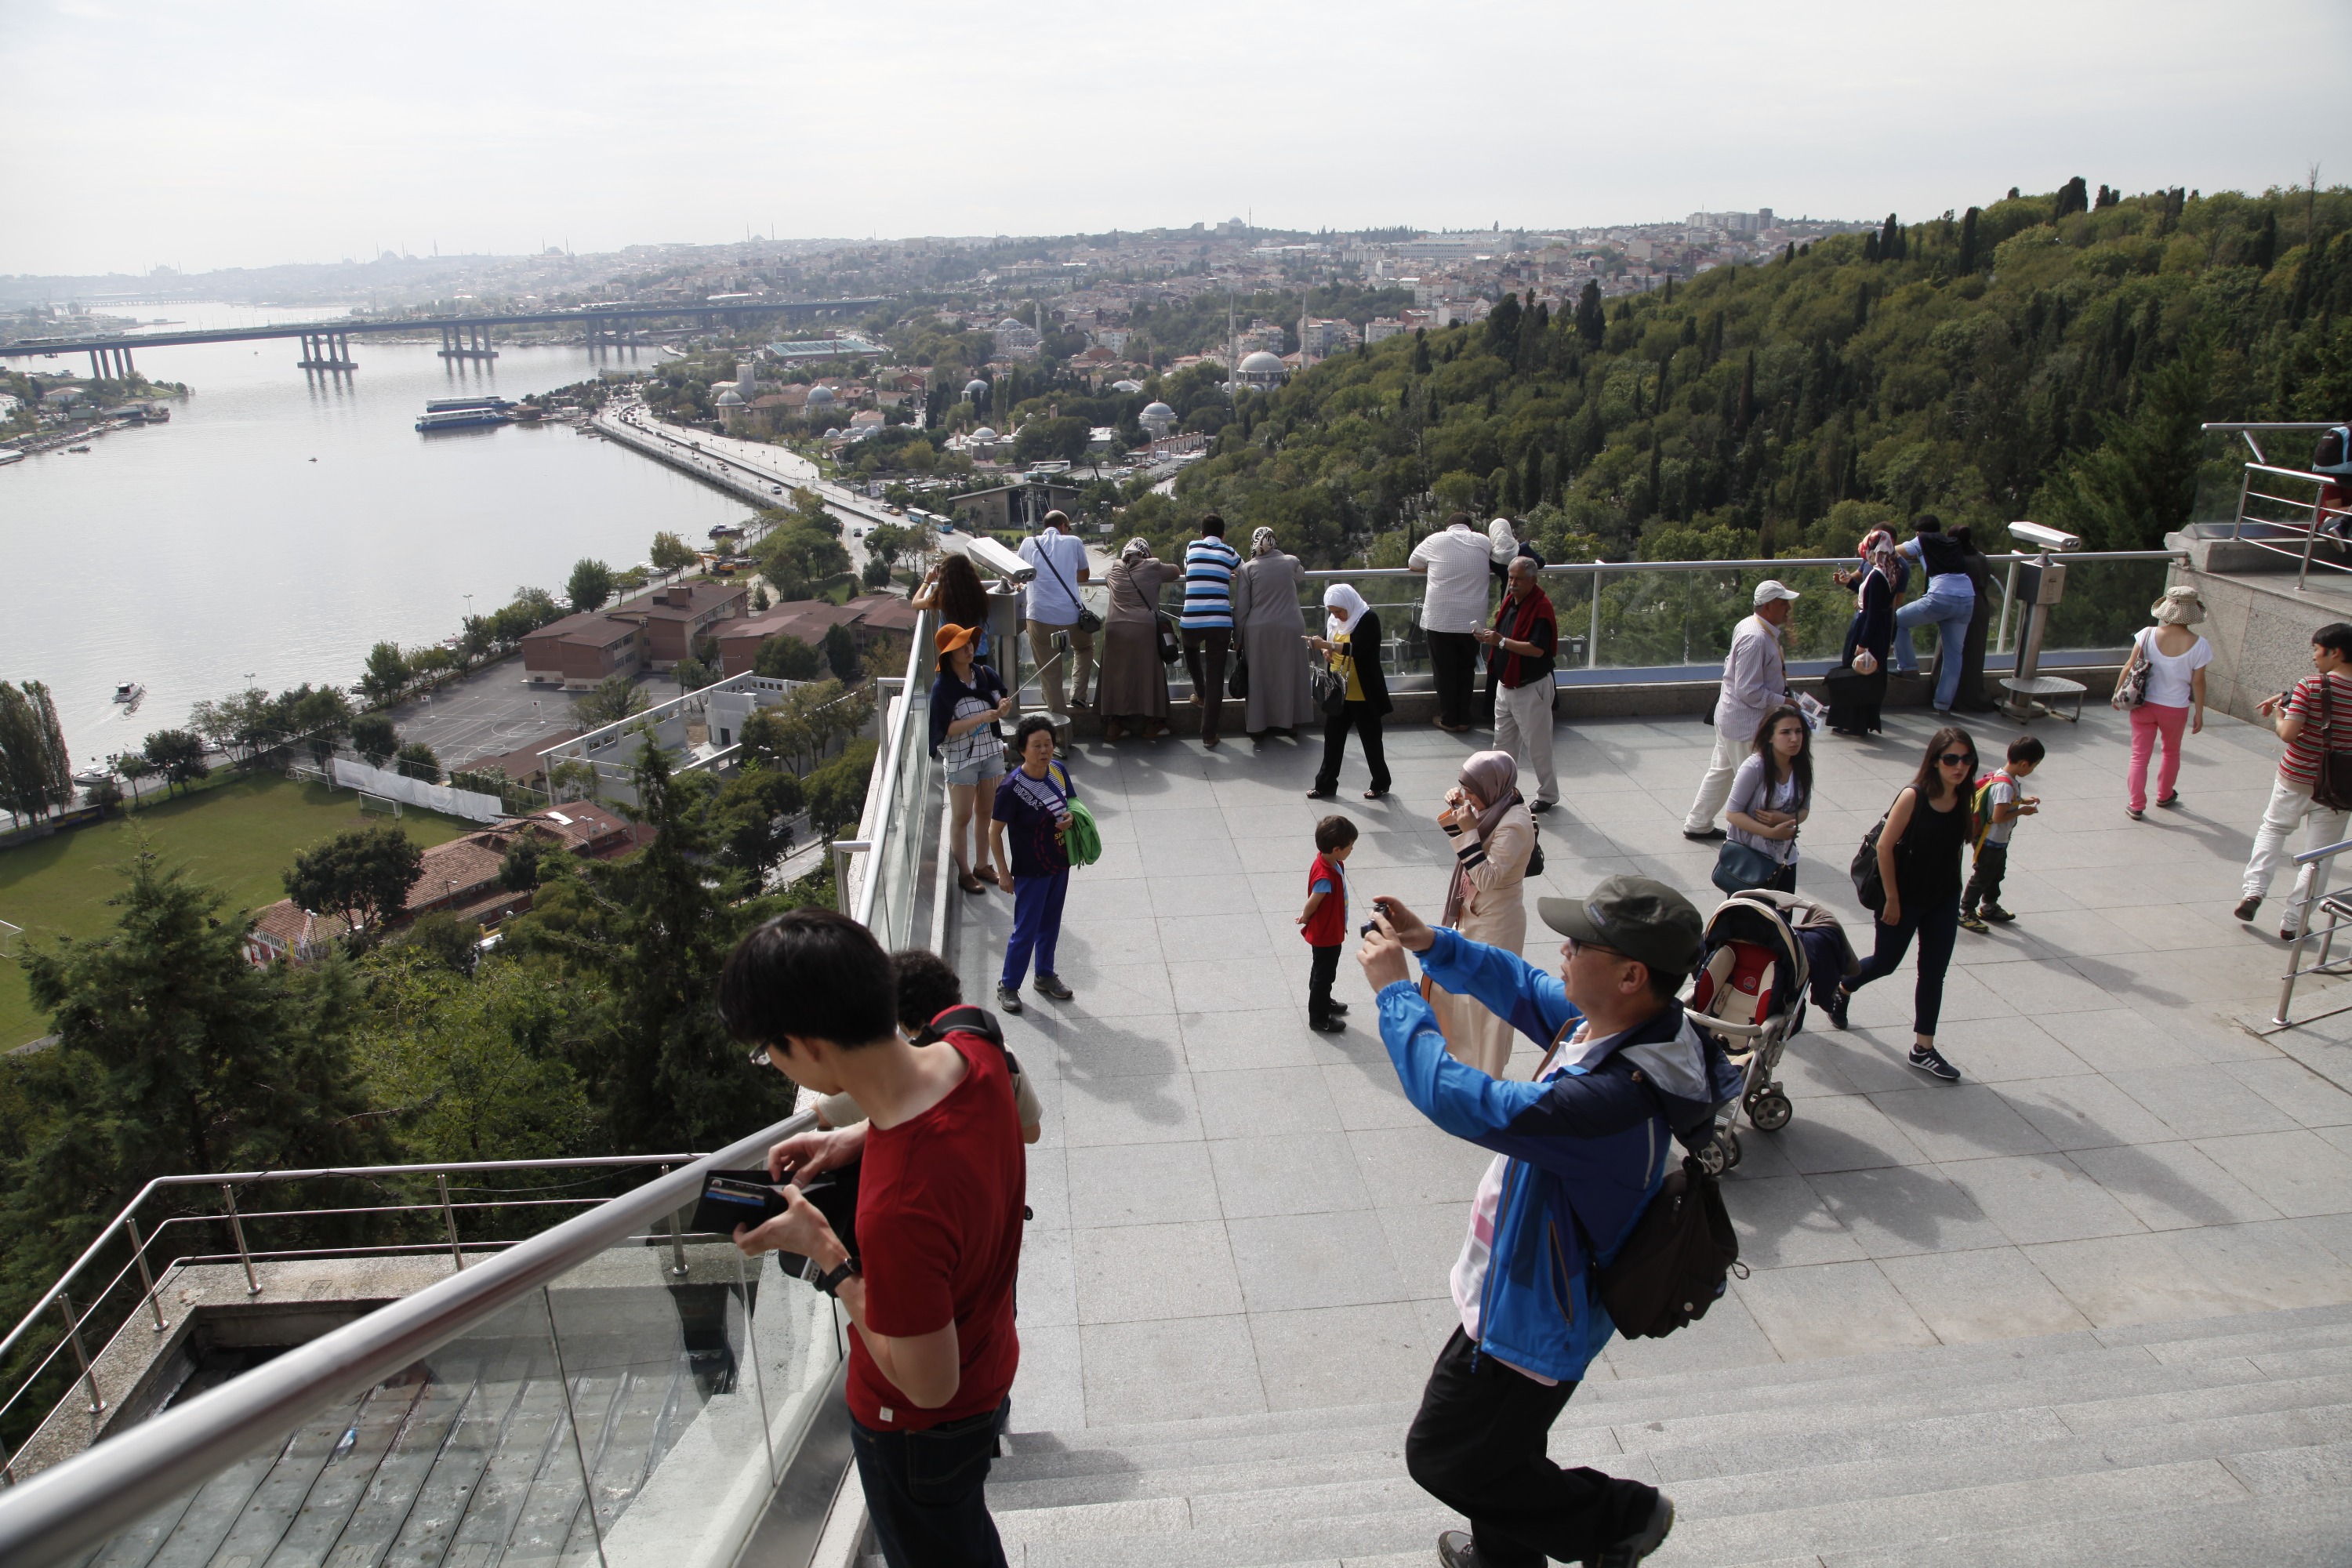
[(1135, 550), (1344, 607), (1501, 543), (1262, 541)]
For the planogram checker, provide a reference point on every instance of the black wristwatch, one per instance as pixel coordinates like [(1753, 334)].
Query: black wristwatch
[(830, 1281)]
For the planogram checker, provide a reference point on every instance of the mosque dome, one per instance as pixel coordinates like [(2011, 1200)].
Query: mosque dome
[(974, 390), (820, 398), (984, 434), (731, 400), (1157, 411), (1262, 364)]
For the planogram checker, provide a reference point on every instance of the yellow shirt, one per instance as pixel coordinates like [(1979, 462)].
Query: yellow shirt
[(1343, 657)]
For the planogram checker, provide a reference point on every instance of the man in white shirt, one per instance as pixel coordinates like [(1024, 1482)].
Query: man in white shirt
[(1453, 611), (1053, 607), (1755, 680)]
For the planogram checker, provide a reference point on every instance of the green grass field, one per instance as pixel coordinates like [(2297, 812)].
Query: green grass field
[(238, 836)]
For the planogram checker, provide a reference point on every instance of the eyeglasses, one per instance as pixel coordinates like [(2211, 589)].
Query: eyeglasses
[(760, 1056), (1575, 947), (1949, 758)]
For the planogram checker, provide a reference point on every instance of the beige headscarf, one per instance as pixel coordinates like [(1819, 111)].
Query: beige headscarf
[(1493, 777), (1262, 541), (1134, 550), (2179, 607)]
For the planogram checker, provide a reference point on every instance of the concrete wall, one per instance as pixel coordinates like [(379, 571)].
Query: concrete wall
[(2259, 625)]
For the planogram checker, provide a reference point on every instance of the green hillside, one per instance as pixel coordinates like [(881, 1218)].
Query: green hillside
[(2047, 356)]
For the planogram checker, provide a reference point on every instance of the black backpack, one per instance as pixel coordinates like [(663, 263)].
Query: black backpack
[(1678, 1261), (2333, 455)]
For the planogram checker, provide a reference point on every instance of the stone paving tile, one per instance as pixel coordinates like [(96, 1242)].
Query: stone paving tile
[(1235, 1214)]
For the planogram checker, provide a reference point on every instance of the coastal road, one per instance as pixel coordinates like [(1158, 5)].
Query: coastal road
[(756, 462)]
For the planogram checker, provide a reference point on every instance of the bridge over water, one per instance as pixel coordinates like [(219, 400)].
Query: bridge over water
[(327, 345)]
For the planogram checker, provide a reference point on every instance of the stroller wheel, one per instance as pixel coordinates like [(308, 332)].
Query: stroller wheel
[(1770, 1111), (1730, 1149), (1718, 1157)]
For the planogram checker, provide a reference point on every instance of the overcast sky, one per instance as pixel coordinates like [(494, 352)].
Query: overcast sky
[(243, 132)]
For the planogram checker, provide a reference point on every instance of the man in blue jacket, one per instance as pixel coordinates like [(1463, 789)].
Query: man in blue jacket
[(1578, 1153)]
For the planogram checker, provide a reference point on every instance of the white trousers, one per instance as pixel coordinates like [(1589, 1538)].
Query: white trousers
[(1523, 728), (1731, 750), (2321, 827)]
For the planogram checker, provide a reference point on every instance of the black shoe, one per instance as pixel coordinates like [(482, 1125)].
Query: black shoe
[(1537, 808), (1327, 1025), (1643, 1542), (1337, 1009), (1930, 1060), (2248, 908), (2170, 802), (1836, 1006), (1454, 1550), (2135, 814), (1050, 985), (1322, 794), (1008, 998), (1709, 837)]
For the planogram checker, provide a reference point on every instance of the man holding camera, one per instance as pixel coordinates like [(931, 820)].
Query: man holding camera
[(1578, 1153), (929, 1292)]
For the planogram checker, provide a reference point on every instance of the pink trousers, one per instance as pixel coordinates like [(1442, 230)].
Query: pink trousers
[(2150, 721)]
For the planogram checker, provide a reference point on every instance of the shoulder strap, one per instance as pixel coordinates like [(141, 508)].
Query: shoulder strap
[(968, 1019), (1046, 552)]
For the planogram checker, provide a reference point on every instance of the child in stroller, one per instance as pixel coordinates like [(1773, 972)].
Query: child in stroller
[(1763, 952)]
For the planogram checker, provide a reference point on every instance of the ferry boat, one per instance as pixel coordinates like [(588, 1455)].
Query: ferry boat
[(449, 405), (462, 418)]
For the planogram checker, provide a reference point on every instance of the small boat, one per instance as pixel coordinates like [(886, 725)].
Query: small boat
[(82, 449), (130, 691), (462, 419)]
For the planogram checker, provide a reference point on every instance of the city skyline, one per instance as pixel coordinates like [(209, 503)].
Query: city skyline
[(263, 135)]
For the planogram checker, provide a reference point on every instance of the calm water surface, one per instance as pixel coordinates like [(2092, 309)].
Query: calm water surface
[(186, 555)]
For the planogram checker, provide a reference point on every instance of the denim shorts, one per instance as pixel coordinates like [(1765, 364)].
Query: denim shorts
[(979, 773)]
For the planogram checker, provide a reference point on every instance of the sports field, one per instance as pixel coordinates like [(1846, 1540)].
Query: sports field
[(238, 836)]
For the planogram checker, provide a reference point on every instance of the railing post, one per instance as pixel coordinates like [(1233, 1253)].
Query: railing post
[(449, 1218), (2245, 484), (677, 1245), (2310, 537), (73, 1332), (237, 1229), (2007, 603), (139, 1250), (843, 848), (1593, 642)]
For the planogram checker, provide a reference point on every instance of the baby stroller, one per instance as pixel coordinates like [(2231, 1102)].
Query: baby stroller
[(1762, 953)]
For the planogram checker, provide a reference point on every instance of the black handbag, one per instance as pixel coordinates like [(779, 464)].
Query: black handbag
[(2331, 779), (1170, 648), (1238, 682), (1739, 866)]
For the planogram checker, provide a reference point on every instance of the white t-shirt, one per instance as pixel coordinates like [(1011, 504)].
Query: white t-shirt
[(1460, 571), (1053, 600), (2000, 790), (2168, 674)]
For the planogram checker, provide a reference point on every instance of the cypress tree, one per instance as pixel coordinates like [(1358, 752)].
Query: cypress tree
[(2073, 196), (1588, 324), (1969, 241), (1746, 412), (1531, 481), (1421, 350), (1890, 240), (1870, 246), (2264, 251)]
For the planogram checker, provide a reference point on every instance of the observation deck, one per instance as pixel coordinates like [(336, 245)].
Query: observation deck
[(2093, 1304)]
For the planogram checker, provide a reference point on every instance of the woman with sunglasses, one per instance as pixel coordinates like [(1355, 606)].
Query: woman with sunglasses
[(1919, 848)]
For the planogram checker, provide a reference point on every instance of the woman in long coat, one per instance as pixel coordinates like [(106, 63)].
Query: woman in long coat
[(1493, 837), (1274, 643), (1855, 697), (1352, 649), (1133, 687)]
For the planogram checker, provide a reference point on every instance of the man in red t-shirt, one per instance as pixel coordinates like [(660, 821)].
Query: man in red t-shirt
[(1324, 922), (939, 1223), (2313, 719)]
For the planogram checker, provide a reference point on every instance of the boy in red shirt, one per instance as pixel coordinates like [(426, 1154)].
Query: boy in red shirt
[(938, 1223), (1324, 922)]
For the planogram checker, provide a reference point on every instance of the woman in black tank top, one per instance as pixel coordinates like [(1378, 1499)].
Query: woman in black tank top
[(1931, 821)]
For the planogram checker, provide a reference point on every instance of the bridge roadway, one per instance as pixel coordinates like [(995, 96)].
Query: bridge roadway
[(600, 315)]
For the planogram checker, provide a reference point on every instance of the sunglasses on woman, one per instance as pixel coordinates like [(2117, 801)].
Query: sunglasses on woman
[(1949, 758)]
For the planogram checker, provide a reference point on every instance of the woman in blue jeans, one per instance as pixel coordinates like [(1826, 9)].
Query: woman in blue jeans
[(1919, 848), (1949, 601), (1032, 813)]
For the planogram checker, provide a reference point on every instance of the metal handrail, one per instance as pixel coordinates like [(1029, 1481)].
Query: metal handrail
[(82, 1500), (878, 822), (2340, 916)]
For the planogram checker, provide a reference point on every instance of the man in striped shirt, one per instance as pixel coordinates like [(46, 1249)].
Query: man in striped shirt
[(1208, 620)]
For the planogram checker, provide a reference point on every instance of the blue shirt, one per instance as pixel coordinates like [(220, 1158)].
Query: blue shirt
[(1209, 568)]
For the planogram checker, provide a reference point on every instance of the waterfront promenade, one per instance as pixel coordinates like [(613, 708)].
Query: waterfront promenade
[(1240, 1221)]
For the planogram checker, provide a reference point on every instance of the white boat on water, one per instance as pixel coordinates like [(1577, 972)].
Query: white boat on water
[(130, 691)]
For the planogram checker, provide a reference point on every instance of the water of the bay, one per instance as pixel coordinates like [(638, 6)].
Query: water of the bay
[(286, 520)]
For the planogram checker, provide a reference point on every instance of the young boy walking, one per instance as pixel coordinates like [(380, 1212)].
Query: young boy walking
[(1324, 922), (2000, 801)]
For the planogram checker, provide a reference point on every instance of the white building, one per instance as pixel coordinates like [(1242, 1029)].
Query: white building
[(1261, 371), (1158, 419), (1379, 328)]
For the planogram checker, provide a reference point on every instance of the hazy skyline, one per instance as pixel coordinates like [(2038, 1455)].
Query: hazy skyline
[(252, 132)]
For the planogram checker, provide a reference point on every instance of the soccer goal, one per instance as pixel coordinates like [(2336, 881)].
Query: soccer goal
[(12, 940), (383, 803)]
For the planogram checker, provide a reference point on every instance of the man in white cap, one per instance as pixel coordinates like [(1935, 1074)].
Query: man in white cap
[(1755, 678)]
